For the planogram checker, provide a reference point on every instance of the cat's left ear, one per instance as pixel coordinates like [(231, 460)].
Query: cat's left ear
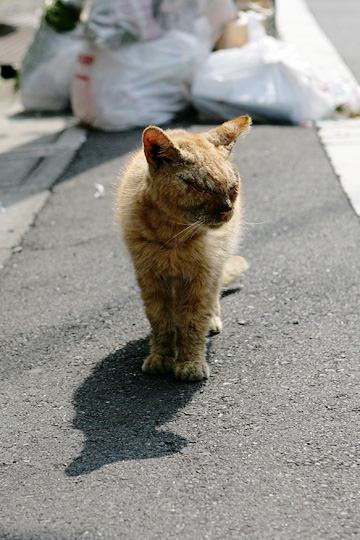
[(158, 147), (227, 133)]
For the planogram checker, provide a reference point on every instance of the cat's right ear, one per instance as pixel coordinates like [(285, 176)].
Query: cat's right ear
[(158, 147), (226, 134)]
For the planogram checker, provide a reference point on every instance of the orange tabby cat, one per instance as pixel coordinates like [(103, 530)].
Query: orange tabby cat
[(179, 207)]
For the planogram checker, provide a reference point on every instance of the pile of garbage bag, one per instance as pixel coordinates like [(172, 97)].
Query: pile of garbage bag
[(122, 64), (125, 64)]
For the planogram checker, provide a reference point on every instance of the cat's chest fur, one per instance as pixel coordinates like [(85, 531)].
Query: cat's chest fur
[(183, 259), (176, 252)]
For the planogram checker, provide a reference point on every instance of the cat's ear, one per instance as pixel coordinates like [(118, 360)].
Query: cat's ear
[(158, 147), (227, 133)]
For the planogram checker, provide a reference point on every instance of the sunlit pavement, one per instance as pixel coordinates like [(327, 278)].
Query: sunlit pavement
[(267, 448)]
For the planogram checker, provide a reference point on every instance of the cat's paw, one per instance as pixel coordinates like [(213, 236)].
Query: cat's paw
[(215, 325), (192, 371), (156, 364)]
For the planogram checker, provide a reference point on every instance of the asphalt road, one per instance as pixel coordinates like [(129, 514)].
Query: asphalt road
[(268, 448)]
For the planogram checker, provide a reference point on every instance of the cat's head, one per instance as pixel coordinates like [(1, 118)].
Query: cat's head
[(191, 177)]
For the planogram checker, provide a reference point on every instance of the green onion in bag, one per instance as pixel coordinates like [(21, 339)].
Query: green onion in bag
[(61, 16)]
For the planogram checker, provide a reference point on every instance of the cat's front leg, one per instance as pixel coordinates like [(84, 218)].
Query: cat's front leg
[(157, 298), (215, 325), (193, 312)]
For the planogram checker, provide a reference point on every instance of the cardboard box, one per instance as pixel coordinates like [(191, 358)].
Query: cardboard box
[(235, 34), (264, 4)]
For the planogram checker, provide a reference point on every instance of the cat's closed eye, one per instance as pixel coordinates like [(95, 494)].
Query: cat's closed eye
[(190, 183), (186, 181), (195, 186)]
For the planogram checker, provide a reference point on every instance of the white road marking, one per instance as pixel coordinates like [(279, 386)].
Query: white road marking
[(341, 138)]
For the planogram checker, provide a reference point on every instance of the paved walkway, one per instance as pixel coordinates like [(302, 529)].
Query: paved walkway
[(267, 448)]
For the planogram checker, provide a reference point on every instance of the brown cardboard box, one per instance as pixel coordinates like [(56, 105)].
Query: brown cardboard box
[(265, 4), (235, 34), (266, 7)]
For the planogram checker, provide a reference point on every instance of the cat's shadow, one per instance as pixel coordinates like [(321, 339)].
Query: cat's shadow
[(121, 411)]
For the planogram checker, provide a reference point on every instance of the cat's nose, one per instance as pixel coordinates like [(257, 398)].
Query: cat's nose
[(224, 207)]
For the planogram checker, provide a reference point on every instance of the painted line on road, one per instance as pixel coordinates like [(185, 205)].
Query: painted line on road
[(297, 25), (341, 138)]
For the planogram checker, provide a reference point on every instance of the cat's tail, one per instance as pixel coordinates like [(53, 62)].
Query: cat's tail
[(234, 266)]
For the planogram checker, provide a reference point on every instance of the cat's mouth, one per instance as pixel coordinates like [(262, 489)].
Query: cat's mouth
[(225, 216), (220, 219)]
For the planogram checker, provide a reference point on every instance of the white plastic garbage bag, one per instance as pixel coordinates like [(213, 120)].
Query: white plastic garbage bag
[(264, 78), (204, 18), (139, 84), (113, 23), (47, 69)]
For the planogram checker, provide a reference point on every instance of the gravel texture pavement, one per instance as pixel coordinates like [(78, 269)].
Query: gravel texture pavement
[(268, 448)]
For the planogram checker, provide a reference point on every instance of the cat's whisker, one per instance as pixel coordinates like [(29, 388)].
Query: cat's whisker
[(254, 223), (181, 232), (190, 229), (179, 223)]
